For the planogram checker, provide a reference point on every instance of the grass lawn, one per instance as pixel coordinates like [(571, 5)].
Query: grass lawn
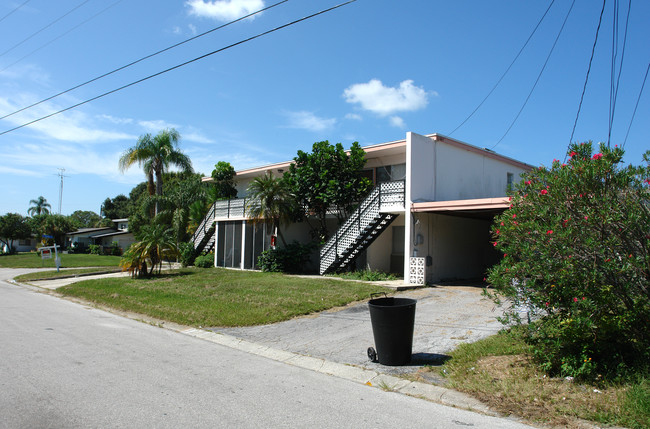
[(499, 371), (220, 297), (49, 275), (32, 260)]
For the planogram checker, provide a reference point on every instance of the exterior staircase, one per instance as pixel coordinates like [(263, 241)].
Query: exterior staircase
[(373, 216), (203, 237)]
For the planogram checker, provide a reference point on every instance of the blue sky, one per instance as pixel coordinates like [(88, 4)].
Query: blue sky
[(368, 72)]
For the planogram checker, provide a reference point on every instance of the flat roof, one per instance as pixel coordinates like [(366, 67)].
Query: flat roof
[(388, 148)]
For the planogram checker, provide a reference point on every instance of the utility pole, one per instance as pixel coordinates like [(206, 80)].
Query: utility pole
[(61, 171)]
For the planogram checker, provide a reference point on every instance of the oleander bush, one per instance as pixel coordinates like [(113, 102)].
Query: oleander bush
[(575, 244)]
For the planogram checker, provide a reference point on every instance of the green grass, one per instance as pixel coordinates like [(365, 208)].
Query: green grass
[(32, 260), (50, 275), (366, 275), (500, 372), (220, 297)]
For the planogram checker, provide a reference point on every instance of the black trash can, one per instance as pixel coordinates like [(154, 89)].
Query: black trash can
[(392, 322)]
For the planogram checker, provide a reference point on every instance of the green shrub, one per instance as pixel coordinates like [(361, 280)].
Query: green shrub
[(293, 258), (204, 261), (576, 251), (188, 254), (95, 249)]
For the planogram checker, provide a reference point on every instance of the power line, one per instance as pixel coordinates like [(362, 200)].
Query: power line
[(636, 105), (181, 65), (44, 28), (615, 86), (507, 70), (14, 10), (141, 59), (584, 87), (62, 35), (538, 76)]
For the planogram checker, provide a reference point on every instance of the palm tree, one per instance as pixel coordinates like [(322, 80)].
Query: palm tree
[(39, 206), (156, 245), (155, 155), (271, 202)]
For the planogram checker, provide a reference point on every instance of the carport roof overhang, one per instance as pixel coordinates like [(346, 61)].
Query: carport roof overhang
[(479, 208)]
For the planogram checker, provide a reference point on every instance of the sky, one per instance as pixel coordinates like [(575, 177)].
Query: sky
[(369, 71)]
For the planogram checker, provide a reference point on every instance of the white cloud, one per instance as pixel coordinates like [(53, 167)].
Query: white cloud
[(72, 126), (398, 122), (224, 10), (177, 30), (196, 137), (192, 29), (116, 120), (156, 125), (308, 121), (21, 171), (353, 117), (383, 100)]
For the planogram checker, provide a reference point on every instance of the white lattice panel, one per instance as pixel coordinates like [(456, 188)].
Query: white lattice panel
[(417, 270)]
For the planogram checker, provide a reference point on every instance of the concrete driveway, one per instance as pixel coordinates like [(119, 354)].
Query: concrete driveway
[(445, 316)]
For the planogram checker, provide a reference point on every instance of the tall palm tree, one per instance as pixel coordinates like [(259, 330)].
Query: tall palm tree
[(155, 155), (39, 206), (271, 202)]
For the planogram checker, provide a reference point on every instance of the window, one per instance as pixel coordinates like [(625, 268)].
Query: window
[(509, 181), (391, 173)]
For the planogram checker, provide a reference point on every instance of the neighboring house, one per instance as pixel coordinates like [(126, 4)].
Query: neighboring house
[(428, 218), (22, 245), (105, 236)]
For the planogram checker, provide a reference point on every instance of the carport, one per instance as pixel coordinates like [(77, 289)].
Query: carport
[(454, 236)]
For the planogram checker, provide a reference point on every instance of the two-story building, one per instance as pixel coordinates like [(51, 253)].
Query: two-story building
[(428, 218)]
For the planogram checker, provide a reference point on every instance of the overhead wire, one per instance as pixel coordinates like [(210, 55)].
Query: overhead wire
[(14, 10), (142, 59), (539, 22), (636, 105), (584, 87), (180, 65), (60, 36), (44, 28), (538, 76), (615, 85)]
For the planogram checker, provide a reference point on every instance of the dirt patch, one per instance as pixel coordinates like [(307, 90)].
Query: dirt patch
[(512, 386)]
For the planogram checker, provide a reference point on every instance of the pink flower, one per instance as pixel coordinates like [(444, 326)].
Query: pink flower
[(514, 216), (573, 153), (543, 192), (549, 232), (597, 156), (546, 303), (575, 299), (528, 182), (494, 244), (498, 232), (586, 217)]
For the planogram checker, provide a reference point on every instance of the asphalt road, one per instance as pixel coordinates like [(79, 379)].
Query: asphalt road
[(65, 365)]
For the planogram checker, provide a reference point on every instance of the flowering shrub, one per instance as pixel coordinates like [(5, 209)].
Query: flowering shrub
[(575, 246)]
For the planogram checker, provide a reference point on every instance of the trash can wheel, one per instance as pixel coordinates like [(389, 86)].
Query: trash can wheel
[(372, 354)]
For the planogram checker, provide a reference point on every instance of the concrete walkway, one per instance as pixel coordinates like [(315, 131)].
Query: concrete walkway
[(335, 342)]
